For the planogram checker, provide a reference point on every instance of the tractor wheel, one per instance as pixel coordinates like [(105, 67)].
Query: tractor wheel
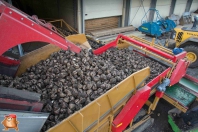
[(192, 55)]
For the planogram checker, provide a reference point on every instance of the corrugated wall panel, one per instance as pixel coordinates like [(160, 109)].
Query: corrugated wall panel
[(194, 6), (180, 7), (137, 11), (101, 23), (163, 6), (102, 8)]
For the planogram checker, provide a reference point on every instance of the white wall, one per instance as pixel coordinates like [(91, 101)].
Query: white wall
[(137, 12), (194, 6), (102, 8), (163, 6), (180, 7)]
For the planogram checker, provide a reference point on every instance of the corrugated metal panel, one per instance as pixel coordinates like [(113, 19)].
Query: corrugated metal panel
[(194, 6), (163, 6), (137, 11), (180, 7), (101, 23), (102, 8)]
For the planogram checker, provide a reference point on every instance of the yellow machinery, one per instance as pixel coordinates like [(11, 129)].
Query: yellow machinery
[(187, 38)]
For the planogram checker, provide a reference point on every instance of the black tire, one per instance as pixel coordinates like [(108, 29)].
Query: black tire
[(194, 49)]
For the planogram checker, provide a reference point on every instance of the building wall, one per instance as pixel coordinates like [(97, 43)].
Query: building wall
[(180, 7), (137, 11), (102, 8), (163, 6), (194, 6), (94, 9)]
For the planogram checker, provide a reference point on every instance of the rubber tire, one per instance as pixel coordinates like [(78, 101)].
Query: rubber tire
[(194, 49)]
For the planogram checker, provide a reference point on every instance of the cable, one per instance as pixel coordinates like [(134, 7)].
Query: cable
[(144, 8), (141, 5), (135, 15)]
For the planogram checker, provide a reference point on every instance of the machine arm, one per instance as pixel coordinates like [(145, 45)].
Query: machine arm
[(18, 28), (131, 109)]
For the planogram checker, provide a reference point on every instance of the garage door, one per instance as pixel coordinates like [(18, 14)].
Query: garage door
[(102, 14), (180, 7), (138, 11), (163, 6), (101, 23), (102, 8)]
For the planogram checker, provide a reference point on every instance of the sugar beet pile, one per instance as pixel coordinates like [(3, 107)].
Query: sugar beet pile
[(68, 81)]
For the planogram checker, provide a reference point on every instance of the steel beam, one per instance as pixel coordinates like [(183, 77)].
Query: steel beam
[(83, 17), (152, 13), (188, 5), (127, 12), (79, 18), (123, 13), (172, 7)]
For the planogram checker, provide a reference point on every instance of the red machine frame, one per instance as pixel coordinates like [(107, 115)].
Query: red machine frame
[(18, 28), (136, 102)]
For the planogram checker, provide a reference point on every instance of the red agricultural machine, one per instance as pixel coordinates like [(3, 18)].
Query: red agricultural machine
[(116, 109)]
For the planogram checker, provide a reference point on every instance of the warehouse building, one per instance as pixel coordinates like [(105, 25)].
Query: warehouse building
[(92, 15)]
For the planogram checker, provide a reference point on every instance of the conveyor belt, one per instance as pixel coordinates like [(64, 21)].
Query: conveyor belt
[(179, 94), (189, 86), (182, 94)]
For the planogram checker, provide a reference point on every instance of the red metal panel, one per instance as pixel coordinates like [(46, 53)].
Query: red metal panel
[(130, 110), (9, 61), (180, 56), (18, 28), (157, 79), (166, 55), (8, 66), (179, 72), (105, 47), (20, 105)]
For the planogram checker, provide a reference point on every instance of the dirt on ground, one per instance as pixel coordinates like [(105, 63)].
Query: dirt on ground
[(160, 116)]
